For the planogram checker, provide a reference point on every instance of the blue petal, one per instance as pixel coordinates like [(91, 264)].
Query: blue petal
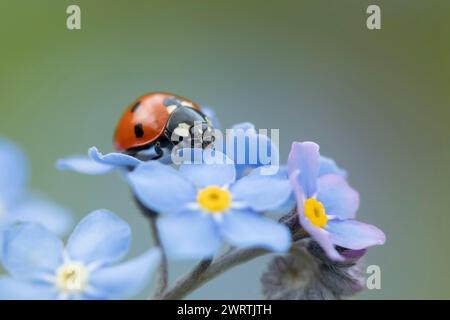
[(261, 193), (126, 279), (211, 169), (3, 226), (285, 207), (354, 235), (251, 230), (39, 210), (189, 235), (250, 150), (244, 126), (30, 250), (304, 157), (282, 172), (15, 289), (211, 115), (83, 164), (329, 166), (322, 237), (13, 173), (101, 237), (115, 159), (267, 155), (337, 197), (289, 204), (160, 187)]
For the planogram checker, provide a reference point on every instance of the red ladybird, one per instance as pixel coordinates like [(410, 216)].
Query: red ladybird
[(159, 120)]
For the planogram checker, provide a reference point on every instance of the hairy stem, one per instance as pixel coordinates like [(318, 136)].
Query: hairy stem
[(201, 274), (188, 282), (163, 273)]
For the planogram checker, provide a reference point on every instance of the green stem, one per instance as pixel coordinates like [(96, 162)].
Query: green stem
[(204, 273), (163, 273)]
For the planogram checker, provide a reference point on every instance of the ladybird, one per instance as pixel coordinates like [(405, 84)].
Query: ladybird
[(160, 120)]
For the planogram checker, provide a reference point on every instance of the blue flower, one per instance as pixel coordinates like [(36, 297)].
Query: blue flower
[(202, 205), (329, 166), (17, 204), (327, 205), (41, 267), (96, 163), (249, 149)]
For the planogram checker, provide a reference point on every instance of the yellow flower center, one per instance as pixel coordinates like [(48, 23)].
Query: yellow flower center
[(72, 278), (214, 199), (315, 212)]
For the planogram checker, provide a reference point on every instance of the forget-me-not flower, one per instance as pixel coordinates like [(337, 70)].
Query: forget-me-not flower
[(41, 267), (249, 149), (16, 203), (201, 205), (327, 205), (326, 166), (252, 141)]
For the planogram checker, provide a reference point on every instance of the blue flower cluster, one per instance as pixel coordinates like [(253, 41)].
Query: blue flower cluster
[(220, 198), (202, 205)]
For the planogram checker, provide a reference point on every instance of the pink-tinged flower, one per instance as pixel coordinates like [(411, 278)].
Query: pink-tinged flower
[(327, 205)]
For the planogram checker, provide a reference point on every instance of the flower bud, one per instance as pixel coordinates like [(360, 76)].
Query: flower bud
[(308, 274), (294, 277)]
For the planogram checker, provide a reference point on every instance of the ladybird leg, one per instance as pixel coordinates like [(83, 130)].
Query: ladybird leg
[(144, 154)]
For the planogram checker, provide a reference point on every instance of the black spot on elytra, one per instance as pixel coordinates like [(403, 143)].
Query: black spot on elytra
[(135, 107), (138, 130)]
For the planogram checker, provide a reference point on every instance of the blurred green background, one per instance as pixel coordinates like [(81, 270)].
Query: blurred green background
[(376, 101)]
